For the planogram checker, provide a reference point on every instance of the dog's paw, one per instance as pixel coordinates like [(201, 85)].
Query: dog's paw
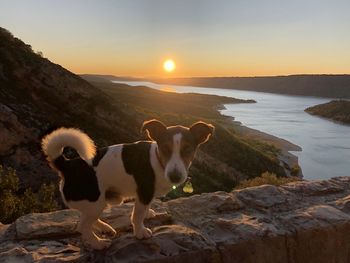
[(99, 244), (143, 233), (151, 214)]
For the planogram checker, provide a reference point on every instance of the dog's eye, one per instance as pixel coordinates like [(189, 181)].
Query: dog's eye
[(187, 150)]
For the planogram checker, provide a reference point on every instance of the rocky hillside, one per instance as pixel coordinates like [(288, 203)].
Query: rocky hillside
[(331, 86), (297, 222), (336, 110), (37, 96)]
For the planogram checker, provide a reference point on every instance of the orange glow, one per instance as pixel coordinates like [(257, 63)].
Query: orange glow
[(168, 89)]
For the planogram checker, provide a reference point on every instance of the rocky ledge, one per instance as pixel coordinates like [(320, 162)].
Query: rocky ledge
[(305, 221)]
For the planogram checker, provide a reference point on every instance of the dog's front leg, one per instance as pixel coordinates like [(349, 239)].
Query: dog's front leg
[(138, 215)]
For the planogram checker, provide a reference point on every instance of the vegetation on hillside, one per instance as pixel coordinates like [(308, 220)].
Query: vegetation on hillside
[(266, 178), (16, 202), (336, 110)]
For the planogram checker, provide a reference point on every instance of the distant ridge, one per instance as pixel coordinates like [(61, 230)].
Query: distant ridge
[(329, 86), (107, 78)]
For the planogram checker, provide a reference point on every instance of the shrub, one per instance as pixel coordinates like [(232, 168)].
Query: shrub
[(15, 202), (266, 178), (295, 170)]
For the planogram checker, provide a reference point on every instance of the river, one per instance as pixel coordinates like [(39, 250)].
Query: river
[(325, 144)]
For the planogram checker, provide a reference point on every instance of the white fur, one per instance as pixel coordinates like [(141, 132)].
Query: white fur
[(175, 161), (54, 143), (110, 173)]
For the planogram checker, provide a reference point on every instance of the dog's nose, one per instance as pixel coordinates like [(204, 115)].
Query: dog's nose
[(175, 176)]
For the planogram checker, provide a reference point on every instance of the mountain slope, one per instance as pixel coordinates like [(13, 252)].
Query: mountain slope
[(37, 95)]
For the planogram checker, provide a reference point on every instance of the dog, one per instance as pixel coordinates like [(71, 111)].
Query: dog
[(142, 170)]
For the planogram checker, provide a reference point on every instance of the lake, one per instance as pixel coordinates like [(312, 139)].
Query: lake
[(325, 144)]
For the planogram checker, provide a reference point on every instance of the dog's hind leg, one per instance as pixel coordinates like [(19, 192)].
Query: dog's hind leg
[(139, 213), (90, 212)]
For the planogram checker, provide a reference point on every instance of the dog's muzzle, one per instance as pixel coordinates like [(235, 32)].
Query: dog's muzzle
[(175, 176)]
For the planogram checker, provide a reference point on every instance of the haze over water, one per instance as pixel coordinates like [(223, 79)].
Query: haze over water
[(325, 144)]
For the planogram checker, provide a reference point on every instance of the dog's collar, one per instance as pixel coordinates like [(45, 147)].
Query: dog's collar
[(159, 160)]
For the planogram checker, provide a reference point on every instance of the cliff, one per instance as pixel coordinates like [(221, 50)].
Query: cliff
[(298, 222)]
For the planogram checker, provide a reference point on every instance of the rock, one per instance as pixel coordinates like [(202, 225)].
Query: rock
[(167, 241), (263, 196), (297, 222), (328, 214), (16, 254), (12, 132), (57, 223), (321, 187), (344, 204)]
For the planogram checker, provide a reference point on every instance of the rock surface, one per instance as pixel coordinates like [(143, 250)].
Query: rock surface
[(307, 221)]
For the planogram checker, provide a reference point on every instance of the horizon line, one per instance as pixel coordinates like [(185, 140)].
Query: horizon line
[(190, 77)]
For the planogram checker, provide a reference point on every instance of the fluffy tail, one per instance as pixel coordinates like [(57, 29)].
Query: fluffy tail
[(53, 143)]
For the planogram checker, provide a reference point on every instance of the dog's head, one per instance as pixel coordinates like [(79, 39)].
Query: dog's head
[(177, 145)]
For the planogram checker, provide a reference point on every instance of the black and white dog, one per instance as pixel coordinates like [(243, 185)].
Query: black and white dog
[(144, 170)]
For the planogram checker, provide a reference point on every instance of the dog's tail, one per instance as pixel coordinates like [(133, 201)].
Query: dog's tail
[(54, 143)]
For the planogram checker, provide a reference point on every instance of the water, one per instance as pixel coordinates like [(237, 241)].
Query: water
[(325, 144)]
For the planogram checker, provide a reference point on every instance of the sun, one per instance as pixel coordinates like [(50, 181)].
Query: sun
[(169, 65)]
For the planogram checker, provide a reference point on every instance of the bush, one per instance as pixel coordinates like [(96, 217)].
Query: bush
[(266, 178), (15, 202), (295, 170)]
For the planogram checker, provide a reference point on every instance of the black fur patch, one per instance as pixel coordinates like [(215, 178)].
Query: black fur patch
[(136, 159), (80, 181), (99, 155)]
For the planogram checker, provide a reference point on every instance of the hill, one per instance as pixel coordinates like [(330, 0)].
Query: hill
[(331, 86), (107, 78), (37, 96), (336, 110)]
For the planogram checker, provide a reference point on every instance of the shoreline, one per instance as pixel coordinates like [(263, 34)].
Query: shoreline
[(287, 159)]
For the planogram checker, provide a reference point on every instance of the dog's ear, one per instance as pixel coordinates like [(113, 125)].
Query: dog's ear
[(202, 131), (154, 129)]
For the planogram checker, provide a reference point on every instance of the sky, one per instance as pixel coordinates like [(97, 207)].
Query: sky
[(203, 37)]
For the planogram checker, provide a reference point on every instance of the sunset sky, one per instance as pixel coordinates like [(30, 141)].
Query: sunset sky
[(203, 37)]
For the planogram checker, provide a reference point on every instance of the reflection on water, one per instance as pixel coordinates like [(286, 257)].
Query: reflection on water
[(167, 89), (325, 144)]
